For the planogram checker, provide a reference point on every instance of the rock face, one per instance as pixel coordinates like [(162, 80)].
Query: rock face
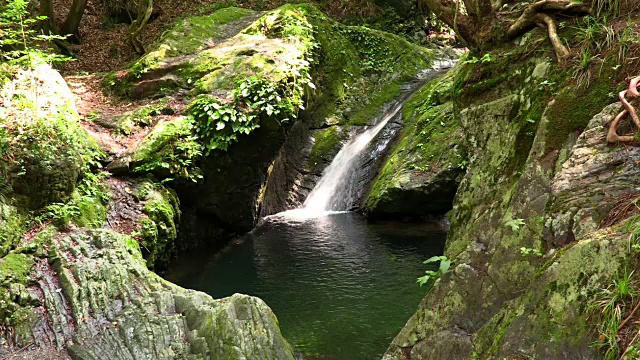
[(272, 168), (420, 176), (104, 303), (532, 236), (69, 289)]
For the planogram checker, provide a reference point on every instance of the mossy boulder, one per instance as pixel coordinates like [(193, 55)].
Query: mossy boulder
[(44, 149), (500, 299), (187, 37), (551, 319), (355, 71), (420, 176), (127, 123), (12, 226), (159, 229), (124, 311), (170, 150)]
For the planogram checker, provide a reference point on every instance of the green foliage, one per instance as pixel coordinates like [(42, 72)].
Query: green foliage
[(61, 213), (612, 7), (20, 41), (28, 134), (86, 207), (525, 251), (515, 224), (219, 125), (484, 59), (609, 308), (445, 264), (376, 54), (170, 151)]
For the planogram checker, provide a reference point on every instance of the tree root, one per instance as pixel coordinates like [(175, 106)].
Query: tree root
[(626, 97), (539, 13), (561, 51)]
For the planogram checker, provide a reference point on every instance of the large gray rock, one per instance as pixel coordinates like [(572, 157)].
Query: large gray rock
[(95, 297)]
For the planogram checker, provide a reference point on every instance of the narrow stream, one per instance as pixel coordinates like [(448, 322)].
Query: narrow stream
[(341, 288)]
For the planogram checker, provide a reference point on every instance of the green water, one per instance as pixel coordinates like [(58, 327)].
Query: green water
[(341, 288)]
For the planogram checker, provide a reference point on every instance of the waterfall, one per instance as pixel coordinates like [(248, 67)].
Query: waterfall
[(335, 190)]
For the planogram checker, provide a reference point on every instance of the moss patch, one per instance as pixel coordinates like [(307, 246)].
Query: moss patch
[(429, 156), (325, 142), (14, 276), (160, 227), (574, 108), (169, 151), (188, 36)]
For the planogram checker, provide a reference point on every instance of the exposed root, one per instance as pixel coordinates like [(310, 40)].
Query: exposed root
[(540, 14), (561, 51), (612, 136), (626, 97)]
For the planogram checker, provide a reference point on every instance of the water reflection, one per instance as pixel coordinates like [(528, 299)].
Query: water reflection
[(339, 286)]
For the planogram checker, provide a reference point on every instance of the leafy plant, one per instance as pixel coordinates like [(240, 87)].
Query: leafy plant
[(515, 224), (445, 265), (609, 309), (60, 213), (525, 251), (21, 43)]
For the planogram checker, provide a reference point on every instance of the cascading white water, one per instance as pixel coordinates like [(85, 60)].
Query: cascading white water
[(334, 190), (331, 185)]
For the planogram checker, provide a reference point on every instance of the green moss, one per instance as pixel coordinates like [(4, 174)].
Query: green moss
[(16, 267), (142, 116), (574, 108), (386, 61), (14, 277), (429, 144), (325, 142), (92, 210), (160, 228), (169, 151), (188, 36), (12, 226), (49, 150)]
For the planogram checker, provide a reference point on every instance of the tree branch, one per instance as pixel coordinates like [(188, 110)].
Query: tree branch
[(145, 9)]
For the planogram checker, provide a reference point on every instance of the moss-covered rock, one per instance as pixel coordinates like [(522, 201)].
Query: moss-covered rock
[(421, 174), (500, 299), (169, 150), (44, 149), (159, 229), (12, 226), (187, 37), (130, 121), (124, 311), (551, 319), (355, 71)]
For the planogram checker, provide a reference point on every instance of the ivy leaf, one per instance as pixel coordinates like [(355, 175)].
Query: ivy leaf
[(444, 266), (220, 125)]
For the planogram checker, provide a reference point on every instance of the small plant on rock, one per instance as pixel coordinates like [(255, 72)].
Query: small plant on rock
[(445, 264)]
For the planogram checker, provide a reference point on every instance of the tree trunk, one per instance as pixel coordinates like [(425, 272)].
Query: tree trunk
[(72, 23), (145, 9), (48, 25)]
